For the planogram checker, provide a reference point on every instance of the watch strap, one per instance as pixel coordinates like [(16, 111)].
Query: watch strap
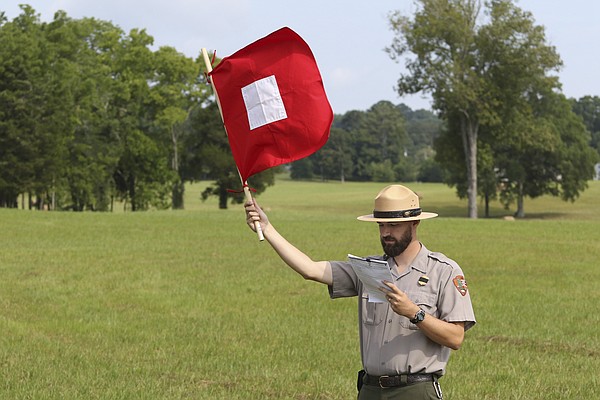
[(419, 316)]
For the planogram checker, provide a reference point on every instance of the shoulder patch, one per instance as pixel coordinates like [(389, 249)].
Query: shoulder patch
[(461, 284)]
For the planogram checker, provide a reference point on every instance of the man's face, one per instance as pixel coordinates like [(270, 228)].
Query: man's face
[(395, 237)]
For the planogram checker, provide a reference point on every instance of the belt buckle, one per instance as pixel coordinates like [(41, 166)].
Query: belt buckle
[(379, 380)]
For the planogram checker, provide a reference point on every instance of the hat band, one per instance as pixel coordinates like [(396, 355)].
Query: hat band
[(397, 214)]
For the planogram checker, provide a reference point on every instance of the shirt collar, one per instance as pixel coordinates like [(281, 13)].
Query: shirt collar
[(420, 261)]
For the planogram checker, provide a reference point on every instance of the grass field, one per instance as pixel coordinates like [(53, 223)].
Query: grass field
[(189, 305)]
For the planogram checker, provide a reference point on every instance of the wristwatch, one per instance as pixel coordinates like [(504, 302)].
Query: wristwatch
[(419, 316)]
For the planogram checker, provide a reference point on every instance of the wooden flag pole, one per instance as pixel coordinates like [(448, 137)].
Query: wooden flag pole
[(247, 193)]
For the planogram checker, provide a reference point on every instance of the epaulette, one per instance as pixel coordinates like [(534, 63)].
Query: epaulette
[(443, 259)]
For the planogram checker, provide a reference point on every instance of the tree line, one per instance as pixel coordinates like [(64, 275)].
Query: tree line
[(385, 143), (91, 115)]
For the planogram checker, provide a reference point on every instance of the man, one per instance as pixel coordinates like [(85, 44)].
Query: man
[(406, 342)]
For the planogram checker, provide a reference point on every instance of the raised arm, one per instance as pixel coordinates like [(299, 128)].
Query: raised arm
[(319, 271)]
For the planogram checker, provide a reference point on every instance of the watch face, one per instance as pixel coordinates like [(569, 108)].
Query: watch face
[(419, 316)]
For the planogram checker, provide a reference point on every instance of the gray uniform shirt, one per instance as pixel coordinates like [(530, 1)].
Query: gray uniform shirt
[(389, 343)]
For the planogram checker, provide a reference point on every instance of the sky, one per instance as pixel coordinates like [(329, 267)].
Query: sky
[(347, 37)]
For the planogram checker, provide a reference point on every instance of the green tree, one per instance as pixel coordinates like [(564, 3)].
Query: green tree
[(382, 171), (430, 171), (422, 127), (369, 138), (302, 169), (18, 57), (385, 124), (36, 102), (545, 151), (333, 161), (84, 48), (449, 153), (588, 108), (134, 71), (175, 91), (460, 59), (355, 123), (487, 177)]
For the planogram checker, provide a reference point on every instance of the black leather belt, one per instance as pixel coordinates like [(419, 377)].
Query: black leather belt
[(386, 381)]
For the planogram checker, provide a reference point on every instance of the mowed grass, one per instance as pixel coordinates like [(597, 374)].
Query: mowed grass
[(189, 305)]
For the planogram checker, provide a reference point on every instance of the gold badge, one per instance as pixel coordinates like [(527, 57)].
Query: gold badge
[(423, 280)]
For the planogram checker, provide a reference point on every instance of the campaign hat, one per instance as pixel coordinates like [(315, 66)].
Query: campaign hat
[(397, 203)]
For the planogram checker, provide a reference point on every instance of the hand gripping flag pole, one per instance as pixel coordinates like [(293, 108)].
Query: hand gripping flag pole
[(247, 193), (272, 102)]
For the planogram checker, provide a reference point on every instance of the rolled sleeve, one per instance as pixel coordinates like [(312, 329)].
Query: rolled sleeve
[(456, 306), (345, 282)]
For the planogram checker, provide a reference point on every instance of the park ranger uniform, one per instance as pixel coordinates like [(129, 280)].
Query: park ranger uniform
[(394, 352)]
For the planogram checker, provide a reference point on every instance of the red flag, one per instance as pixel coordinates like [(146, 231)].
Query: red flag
[(273, 102)]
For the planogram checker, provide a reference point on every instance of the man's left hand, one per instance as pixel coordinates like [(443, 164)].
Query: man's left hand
[(399, 301)]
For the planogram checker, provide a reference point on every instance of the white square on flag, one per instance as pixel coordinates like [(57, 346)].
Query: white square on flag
[(263, 102)]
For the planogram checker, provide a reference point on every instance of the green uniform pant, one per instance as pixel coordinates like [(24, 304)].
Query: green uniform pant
[(417, 391)]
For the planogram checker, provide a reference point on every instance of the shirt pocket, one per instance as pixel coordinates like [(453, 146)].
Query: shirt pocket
[(372, 313), (426, 301)]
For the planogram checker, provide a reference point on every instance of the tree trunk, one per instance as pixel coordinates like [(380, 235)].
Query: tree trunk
[(177, 195), (131, 183), (222, 198), (520, 208), (469, 129), (178, 187), (487, 205), (40, 201)]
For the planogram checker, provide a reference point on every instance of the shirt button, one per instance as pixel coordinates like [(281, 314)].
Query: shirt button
[(389, 321)]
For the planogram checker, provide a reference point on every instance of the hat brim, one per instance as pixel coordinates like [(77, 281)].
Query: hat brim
[(423, 215)]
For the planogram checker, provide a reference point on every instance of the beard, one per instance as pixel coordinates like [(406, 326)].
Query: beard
[(398, 246)]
